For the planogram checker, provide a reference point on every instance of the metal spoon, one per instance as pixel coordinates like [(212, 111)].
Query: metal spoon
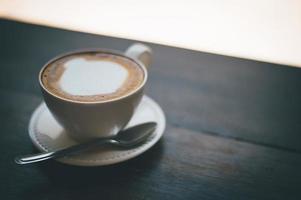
[(128, 138)]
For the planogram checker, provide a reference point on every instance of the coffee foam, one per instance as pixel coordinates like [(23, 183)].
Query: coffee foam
[(92, 76), (88, 77)]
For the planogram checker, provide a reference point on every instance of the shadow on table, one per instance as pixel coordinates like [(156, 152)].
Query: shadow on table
[(113, 181)]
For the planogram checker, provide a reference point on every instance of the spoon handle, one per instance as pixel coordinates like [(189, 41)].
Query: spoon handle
[(32, 158)]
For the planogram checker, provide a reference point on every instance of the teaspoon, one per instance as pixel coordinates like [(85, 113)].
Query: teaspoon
[(128, 138)]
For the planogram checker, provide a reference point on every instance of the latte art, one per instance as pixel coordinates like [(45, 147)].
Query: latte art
[(86, 77), (92, 76)]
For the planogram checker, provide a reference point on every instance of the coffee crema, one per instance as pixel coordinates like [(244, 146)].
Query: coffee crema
[(92, 76)]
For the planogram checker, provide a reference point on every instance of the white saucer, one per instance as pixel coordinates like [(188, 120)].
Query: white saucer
[(47, 135)]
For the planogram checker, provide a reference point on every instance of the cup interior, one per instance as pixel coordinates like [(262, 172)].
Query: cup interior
[(87, 51)]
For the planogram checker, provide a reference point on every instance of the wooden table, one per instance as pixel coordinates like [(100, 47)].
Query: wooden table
[(233, 126)]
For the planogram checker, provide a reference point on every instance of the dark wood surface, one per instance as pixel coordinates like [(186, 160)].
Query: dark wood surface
[(233, 126)]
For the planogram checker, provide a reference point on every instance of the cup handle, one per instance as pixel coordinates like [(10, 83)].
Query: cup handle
[(140, 52)]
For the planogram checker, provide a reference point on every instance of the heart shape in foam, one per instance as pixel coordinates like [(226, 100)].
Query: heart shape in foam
[(92, 77)]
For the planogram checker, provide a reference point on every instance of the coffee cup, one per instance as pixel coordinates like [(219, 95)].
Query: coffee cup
[(93, 93)]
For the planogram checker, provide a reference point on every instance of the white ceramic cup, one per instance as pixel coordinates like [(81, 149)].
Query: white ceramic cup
[(87, 120)]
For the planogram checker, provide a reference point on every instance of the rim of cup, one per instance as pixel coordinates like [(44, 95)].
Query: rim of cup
[(88, 50)]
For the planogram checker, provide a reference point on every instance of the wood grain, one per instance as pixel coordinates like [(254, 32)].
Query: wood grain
[(232, 132), (183, 165)]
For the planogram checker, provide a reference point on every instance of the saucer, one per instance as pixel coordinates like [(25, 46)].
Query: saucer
[(47, 135)]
